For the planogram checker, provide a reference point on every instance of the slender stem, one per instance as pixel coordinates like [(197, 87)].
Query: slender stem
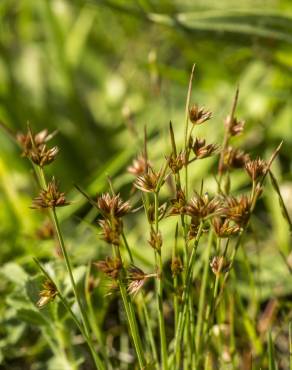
[(159, 287), (203, 294)]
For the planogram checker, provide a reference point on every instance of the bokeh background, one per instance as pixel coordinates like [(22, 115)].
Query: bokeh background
[(98, 72)]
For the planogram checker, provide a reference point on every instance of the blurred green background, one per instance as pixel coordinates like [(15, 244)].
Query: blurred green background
[(98, 71)]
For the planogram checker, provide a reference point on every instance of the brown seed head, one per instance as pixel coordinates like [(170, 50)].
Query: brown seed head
[(137, 279), (200, 207), (176, 163), (202, 150), (237, 209), (193, 228), (111, 231), (148, 182), (155, 240), (220, 264), (234, 158), (234, 126), (138, 166), (176, 266), (256, 168), (34, 147), (199, 115), (178, 204), (110, 267), (50, 198), (48, 293), (112, 206), (223, 228)]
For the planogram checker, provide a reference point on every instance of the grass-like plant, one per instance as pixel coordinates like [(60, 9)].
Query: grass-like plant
[(184, 319)]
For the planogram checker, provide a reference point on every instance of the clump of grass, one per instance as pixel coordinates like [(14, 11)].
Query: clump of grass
[(209, 228)]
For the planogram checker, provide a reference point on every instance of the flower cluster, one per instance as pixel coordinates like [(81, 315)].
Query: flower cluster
[(50, 197)]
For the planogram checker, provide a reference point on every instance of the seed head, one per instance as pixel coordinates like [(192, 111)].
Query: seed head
[(110, 267), (200, 207), (148, 182), (112, 206), (202, 150), (237, 209), (34, 147), (199, 115), (234, 126), (50, 198), (155, 240), (137, 279), (223, 228), (48, 294), (178, 204), (176, 266), (111, 231), (139, 166), (256, 168), (193, 228), (176, 163), (220, 264), (234, 158)]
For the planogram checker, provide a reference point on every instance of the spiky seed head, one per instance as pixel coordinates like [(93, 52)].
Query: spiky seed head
[(48, 293), (256, 168), (176, 266), (111, 231), (237, 209), (199, 115), (234, 126), (176, 163), (203, 150), (178, 204), (50, 197), (234, 158), (148, 181), (111, 267), (224, 228), (220, 264), (139, 166), (155, 240), (200, 207), (112, 206)]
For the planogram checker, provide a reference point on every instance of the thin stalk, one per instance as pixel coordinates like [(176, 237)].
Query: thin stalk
[(203, 294), (53, 214), (159, 290)]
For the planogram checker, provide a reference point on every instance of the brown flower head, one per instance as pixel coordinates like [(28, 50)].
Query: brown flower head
[(155, 240), (137, 279), (111, 231), (200, 207), (176, 163), (193, 228), (48, 293), (139, 166), (202, 150), (110, 267), (178, 204), (234, 126), (199, 115), (50, 198), (112, 206), (220, 264), (148, 182), (237, 209), (234, 158), (223, 227), (34, 147), (176, 266), (256, 168)]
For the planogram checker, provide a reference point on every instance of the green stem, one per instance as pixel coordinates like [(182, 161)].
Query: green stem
[(159, 289)]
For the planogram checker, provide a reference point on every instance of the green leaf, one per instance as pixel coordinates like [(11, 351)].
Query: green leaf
[(14, 273), (31, 316)]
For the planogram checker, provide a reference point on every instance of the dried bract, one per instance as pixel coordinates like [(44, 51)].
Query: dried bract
[(199, 115), (203, 150), (112, 206), (50, 198), (48, 293), (178, 204), (176, 163), (111, 267), (256, 168), (137, 279)]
